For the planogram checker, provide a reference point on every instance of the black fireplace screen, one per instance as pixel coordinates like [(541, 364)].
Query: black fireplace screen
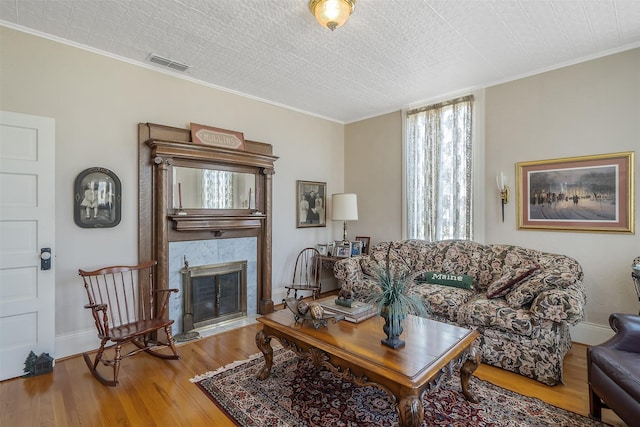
[(215, 296), (214, 293)]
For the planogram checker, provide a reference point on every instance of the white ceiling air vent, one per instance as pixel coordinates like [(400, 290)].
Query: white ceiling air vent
[(157, 59)]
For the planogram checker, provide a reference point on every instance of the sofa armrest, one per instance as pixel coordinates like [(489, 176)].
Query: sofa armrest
[(349, 273), (561, 305), (348, 270), (627, 328)]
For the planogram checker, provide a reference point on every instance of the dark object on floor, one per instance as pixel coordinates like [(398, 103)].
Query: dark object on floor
[(37, 365), (614, 371)]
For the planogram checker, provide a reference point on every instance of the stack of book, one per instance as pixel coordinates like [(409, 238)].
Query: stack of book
[(358, 311)]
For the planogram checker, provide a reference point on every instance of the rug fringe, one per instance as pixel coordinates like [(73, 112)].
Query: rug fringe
[(231, 365)]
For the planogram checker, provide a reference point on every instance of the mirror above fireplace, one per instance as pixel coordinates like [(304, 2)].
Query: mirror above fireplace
[(204, 188)]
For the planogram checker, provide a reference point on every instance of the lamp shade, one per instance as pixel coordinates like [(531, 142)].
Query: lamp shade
[(345, 207), (332, 14)]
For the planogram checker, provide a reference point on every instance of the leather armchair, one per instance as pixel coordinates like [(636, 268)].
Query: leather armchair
[(614, 370)]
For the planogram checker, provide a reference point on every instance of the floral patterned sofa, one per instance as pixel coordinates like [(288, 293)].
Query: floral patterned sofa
[(522, 301)]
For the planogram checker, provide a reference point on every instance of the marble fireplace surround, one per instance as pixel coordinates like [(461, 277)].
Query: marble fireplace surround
[(208, 252)]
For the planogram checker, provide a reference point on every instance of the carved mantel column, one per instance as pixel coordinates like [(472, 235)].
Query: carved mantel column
[(265, 301), (162, 227)]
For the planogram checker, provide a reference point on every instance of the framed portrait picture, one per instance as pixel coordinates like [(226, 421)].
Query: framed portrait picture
[(365, 243), (322, 249), (590, 193), (342, 250), (97, 198), (310, 204), (356, 248)]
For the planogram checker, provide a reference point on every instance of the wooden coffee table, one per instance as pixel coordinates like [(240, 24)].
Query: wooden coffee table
[(353, 352)]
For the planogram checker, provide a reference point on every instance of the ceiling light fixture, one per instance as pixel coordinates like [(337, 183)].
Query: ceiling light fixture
[(332, 13)]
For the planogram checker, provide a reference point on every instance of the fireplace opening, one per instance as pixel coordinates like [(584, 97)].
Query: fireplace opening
[(213, 293)]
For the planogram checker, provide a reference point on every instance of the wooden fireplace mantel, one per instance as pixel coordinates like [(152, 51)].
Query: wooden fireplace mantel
[(159, 149), (217, 223)]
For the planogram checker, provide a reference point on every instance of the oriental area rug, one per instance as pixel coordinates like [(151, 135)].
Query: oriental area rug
[(296, 394)]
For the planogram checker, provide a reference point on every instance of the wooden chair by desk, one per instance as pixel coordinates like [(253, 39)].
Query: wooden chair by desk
[(306, 274)]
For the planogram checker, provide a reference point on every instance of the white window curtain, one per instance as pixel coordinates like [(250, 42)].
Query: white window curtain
[(217, 189), (439, 170)]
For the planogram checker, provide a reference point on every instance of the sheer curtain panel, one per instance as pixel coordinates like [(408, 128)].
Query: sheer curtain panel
[(439, 170), (218, 189)]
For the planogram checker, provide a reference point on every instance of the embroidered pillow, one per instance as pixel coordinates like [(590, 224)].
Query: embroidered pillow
[(455, 280), (527, 290), (500, 287)]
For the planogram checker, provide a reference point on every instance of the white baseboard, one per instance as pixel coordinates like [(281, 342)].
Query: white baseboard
[(590, 333), (76, 342)]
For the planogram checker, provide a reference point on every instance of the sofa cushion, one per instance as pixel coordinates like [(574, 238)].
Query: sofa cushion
[(496, 314), (442, 300), (404, 256), (511, 277), (457, 257), (496, 260), (527, 290), (455, 280)]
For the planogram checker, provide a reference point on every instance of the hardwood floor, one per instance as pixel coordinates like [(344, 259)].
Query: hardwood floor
[(154, 392)]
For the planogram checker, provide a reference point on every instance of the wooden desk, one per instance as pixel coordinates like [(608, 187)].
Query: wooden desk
[(327, 262), (354, 352)]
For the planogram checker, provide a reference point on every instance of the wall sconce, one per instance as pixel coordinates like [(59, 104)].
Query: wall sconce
[(501, 180), (345, 208)]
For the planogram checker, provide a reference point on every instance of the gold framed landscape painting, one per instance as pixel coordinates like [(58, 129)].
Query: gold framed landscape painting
[(588, 193)]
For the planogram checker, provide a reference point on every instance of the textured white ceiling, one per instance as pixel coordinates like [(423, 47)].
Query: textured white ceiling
[(391, 53)]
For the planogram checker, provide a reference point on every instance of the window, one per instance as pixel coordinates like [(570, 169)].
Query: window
[(438, 168), (218, 189)]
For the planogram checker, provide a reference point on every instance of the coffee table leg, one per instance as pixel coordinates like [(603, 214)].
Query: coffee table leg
[(467, 369), (264, 344), (410, 411)]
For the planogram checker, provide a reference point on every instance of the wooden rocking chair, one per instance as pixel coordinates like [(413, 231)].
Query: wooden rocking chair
[(123, 303)]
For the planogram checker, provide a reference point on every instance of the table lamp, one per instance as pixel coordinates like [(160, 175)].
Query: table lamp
[(344, 208)]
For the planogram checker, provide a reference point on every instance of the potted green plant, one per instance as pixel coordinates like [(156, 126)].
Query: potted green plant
[(394, 300)]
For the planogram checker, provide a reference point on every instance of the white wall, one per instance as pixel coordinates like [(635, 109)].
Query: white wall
[(373, 171), (589, 108), (97, 103)]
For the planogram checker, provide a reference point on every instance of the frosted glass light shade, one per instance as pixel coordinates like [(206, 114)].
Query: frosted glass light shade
[(332, 14), (344, 207)]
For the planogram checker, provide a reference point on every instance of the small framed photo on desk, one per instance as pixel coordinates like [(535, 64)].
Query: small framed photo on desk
[(342, 250), (322, 249), (356, 248), (365, 244)]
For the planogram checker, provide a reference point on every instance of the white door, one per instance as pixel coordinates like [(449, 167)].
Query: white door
[(27, 208)]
